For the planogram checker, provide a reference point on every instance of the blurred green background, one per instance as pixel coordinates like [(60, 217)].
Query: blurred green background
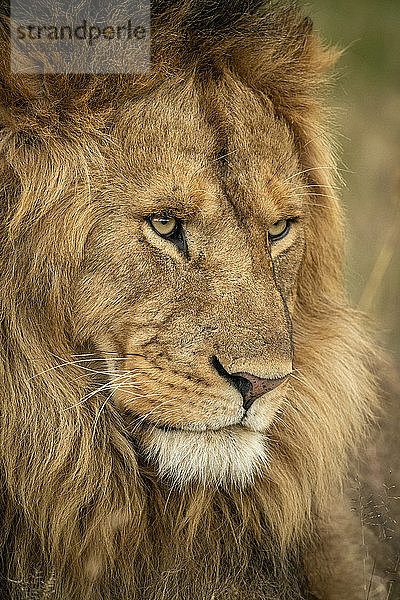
[(366, 97)]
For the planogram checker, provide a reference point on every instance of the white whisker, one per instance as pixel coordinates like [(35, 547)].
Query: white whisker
[(140, 420), (307, 171), (97, 390), (100, 411), (314, 194), (317, 185)]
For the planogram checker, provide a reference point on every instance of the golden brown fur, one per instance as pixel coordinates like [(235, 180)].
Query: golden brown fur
[(228, 131)]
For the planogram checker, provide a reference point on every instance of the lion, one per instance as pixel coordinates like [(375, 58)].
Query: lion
[(183, 382)]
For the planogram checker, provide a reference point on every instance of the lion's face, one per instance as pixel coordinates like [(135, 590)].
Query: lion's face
[(190, 277)]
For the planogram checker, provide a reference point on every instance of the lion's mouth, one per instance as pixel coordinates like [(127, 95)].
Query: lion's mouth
[(139, 422)]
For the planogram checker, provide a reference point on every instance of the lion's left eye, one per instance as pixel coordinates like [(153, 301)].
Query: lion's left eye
[(279, 229)]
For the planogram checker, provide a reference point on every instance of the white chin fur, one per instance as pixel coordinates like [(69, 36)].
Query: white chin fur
[(226, 456)]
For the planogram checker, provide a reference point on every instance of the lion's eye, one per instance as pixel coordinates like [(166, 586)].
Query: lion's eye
[(164, 225), (170, 228), (279, 229)]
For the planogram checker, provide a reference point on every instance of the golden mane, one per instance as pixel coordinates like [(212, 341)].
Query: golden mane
[(82, 514)]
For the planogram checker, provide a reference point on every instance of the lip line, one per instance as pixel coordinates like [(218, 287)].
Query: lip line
[(168, 428)]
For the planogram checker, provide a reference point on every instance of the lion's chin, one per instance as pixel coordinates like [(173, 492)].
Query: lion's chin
[(224, 457)]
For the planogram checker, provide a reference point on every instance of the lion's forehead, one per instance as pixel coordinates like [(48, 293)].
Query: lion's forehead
[(184, 150)]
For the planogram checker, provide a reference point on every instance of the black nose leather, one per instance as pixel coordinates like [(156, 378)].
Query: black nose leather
[(250, 386)]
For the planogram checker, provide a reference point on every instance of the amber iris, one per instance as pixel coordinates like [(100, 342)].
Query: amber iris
[(164, 225), (279, 229)]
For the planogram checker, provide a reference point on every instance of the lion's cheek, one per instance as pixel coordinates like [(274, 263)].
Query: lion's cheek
[(286, 270)]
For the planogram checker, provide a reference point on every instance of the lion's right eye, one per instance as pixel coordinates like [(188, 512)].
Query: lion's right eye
[(170, 228), (164, 225)]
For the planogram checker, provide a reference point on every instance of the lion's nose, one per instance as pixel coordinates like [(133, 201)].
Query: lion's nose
[(250, 386)]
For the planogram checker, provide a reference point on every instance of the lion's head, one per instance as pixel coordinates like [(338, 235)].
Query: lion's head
[(187, 287), (173, 323)]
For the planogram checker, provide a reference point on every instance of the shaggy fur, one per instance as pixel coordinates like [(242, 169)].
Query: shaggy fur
[(98, 502)]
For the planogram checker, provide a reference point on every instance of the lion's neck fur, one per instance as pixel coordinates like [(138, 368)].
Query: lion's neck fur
[(81, 511)]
